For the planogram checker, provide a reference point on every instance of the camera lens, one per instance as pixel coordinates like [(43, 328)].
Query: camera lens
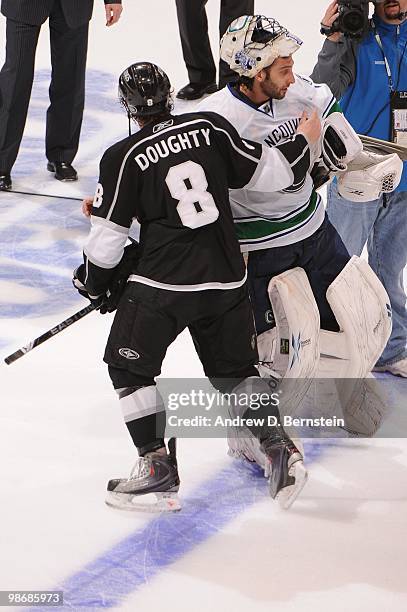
[(353, 21)]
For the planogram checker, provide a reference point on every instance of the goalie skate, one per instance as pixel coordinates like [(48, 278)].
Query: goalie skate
[(285, 468), (244, 445), (151, 487)]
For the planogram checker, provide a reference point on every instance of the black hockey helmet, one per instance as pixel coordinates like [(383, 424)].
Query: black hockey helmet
[(145, 89)]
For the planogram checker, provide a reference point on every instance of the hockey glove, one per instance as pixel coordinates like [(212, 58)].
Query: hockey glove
[(370, 175), (340, 143), (127, 265), (109, 301), (96, 300)]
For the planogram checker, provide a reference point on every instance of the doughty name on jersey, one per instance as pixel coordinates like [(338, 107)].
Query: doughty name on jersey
[(173, 144)]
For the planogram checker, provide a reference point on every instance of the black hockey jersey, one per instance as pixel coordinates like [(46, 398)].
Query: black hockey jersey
[(173, 178)]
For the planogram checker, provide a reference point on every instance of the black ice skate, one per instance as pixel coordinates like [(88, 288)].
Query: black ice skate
[(151, 487), (285, 468)]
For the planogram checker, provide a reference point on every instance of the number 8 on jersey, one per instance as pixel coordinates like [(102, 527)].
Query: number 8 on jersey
[(187, 184)]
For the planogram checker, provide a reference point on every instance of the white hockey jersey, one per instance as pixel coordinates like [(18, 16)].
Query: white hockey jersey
[(265, 220)]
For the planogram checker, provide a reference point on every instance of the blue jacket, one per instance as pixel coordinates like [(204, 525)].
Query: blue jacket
[(362, 85)]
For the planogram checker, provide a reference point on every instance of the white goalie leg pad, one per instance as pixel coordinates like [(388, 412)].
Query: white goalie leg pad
[(288, 354), (363, 312), (291, 349), (340, 143), (297, 319), (370, 175), (362, 308), (266, 346)]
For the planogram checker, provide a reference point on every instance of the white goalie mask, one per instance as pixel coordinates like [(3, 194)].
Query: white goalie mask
[(253, 42)]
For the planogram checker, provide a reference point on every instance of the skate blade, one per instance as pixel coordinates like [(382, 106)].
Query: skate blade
[(151, 502), (287, 496)]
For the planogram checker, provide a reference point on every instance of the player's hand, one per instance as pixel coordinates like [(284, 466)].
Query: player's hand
[(310, 127), (330, 16), (87, 206), (113, 12)]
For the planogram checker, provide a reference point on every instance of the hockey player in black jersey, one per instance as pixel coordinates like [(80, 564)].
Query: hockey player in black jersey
[(173, 177)]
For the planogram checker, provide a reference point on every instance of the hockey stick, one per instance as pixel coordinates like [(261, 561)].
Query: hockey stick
[(376, 145), (43, 195), (49, 334), (55, 330)]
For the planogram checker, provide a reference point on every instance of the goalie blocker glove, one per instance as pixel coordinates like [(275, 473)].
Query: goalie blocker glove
[(338, 147), (109, 301), (340, 144)]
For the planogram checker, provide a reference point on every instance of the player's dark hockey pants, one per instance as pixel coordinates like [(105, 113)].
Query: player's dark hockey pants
[(148, 320), (323, 256)]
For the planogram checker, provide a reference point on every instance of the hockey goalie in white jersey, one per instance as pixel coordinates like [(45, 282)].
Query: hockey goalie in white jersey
[(318, 312)]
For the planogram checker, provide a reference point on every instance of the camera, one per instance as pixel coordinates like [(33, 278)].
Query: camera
[(353, 18)]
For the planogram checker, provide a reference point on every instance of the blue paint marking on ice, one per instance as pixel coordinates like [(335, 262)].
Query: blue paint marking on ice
[(133, 562)]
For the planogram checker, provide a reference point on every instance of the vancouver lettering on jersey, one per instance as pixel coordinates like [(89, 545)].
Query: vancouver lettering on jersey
[(282, 132), (172, 144)]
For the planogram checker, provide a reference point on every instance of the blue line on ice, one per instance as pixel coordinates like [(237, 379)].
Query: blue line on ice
[(133, 562)]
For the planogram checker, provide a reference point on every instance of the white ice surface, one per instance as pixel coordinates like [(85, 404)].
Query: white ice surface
[(341, 547)]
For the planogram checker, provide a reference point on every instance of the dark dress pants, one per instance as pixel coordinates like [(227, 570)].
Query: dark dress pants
[(67, 90), (196, 49)]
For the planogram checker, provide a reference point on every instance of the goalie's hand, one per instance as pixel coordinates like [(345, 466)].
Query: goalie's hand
[(96, 300), (310, 127)]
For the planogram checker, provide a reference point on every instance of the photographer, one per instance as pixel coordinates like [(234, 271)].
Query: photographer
[(368, 71)]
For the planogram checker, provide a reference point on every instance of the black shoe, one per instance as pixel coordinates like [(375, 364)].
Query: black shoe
[(194, 91), (5, 181), (63, 171), (285, 467)]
